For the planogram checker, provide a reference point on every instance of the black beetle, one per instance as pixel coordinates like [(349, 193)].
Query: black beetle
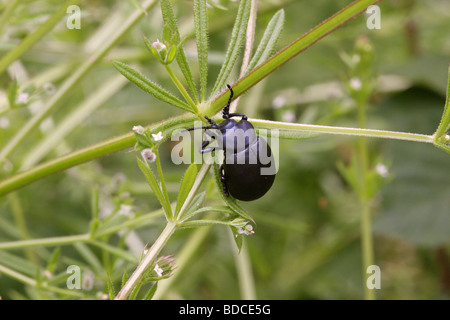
[(246, 156)]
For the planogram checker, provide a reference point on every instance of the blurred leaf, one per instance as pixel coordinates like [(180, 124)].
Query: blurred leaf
[(186, 185), (12, 93), (17, 263), (51, 264), (416, 203)]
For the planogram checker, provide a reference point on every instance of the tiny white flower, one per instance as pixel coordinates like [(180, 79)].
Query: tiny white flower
[(278, 102), (138, 129), (159, 46), (288, 116), (148, 155), (355, 83), (157, 136), (22, 98), (158, 270), (125, 210), (247, 230), (382, 170), (356, 58)]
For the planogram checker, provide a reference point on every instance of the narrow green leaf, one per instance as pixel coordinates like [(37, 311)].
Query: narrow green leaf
[(196, 202), (110, 287), (149, 86), (235, 45), (220, 209), (170, 19), (12, 93), (237, 237), (186, 184), (124, 278), (201, 34), (151, 292), (51, 264), (443, 146), (268, 42), (135, 291), (153, 183), (202, 223), (444, 125)]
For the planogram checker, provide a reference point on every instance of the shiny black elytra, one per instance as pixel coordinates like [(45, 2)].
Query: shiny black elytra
[(245, 155)]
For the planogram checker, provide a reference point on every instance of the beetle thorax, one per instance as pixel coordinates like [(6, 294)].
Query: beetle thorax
[(237, 136)]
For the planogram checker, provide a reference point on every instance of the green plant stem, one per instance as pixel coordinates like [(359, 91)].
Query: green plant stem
[(148, 260), (137, 222), (296, 131), (244, 272), (366, 246), (151, 256), (444, 125), (32, 282), (287, 131), (20, 220), (291, 51), (364, 197), (190, 247), (89, 153), (181, 88)]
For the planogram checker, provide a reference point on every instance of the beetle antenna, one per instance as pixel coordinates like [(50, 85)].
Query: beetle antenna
[(226, 110)]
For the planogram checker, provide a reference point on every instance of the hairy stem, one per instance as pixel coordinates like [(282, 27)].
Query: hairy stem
[(148, 260)]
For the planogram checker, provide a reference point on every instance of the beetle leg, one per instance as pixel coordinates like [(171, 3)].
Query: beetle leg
[(211, 122), (207, 142), (226, 110), (222, 179)]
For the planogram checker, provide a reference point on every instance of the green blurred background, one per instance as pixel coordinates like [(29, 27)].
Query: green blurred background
[(306, 243)]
